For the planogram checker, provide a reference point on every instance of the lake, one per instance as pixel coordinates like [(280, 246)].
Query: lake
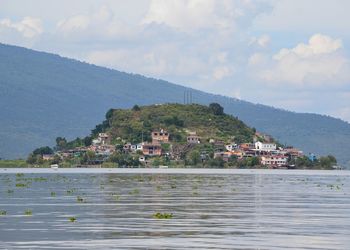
[(207, 209)]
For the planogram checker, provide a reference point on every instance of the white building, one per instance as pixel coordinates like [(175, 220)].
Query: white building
[(231, 147), (274, 160), (265, 146)]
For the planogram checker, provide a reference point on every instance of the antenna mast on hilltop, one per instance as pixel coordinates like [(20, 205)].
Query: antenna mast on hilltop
[(187, 97)]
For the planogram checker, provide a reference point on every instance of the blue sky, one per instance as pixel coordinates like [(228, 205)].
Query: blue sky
[(292, 54)]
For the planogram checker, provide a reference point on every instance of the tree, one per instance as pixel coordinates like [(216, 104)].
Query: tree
[(87, 141), (136, 108), (216, 108), (61, 143), (31, 159), (327, 162), (194, 158), (109, 114), (43, 151)]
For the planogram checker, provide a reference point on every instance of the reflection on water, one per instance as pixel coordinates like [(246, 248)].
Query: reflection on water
[(221, 211)]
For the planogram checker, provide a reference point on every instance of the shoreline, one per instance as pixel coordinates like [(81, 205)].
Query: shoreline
[(209, 171)]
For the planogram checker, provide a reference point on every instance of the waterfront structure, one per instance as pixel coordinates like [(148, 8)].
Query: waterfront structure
[(265, 146)]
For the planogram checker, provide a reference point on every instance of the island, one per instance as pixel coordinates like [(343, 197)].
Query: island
[(173, 135)]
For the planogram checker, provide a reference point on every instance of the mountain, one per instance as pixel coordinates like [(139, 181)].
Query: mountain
[(43, 96)]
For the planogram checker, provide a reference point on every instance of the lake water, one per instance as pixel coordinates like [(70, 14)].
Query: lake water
[(211, 209)]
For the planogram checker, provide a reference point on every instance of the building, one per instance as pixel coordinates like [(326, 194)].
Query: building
[(152, 150), (102, 139), (274, 160), (48, 157), (265, 146), (193, 138), (231, 147), (161, 136), (293, 152), (246, 146)]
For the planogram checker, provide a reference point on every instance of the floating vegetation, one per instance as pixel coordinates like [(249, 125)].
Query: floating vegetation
[(38, 179), (10, 191), (53, 193), (80, 199), (28, 212), (173, 186), (19, 175), (204, 216), (195, 193), (163, 215), (21, 185), (135, 191), (70, 191), (3, 212), (72, 219)]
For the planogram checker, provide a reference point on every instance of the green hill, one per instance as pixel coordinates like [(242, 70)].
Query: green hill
[(136, 124)]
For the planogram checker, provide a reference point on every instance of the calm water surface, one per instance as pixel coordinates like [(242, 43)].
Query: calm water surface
[(212, 209)]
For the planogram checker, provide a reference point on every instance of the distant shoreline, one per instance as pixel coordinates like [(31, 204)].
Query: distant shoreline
[(208, 171)]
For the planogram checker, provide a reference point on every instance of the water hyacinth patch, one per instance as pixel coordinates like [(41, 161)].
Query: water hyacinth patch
[(80, 199), (72, 219), (28, 212), (3, 212), (163, 215), (134, 192), (21, 185)]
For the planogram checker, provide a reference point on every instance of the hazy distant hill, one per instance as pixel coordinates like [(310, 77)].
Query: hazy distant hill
[(43, 96)]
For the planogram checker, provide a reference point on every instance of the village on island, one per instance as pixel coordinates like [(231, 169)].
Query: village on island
[(266, 153), (192, 136)]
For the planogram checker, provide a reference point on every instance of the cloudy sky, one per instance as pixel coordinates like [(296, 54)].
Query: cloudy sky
[(292, 54)]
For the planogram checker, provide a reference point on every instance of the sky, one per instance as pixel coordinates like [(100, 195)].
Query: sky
[(291, 54)]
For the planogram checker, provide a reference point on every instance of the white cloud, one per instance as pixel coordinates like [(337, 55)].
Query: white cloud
[(256, 59), (318, 44), (28, 27), (72, 24), (222, 72), (262, 41), (191, 15), (319, 62), (300, 16), (100, 24)]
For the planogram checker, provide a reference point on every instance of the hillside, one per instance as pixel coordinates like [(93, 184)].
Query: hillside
[(136, 125), (43, 96)]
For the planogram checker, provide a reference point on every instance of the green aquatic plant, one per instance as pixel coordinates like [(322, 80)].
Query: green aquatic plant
[(80, 199), (173, 186), (10, 191), (134, 192), (28, 212), (163, 215), (116, 197), (70, 191), (204, 216), (3, 212), (21, 185), (38, 179), (19, 175), (72, 219), (53, 194)]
